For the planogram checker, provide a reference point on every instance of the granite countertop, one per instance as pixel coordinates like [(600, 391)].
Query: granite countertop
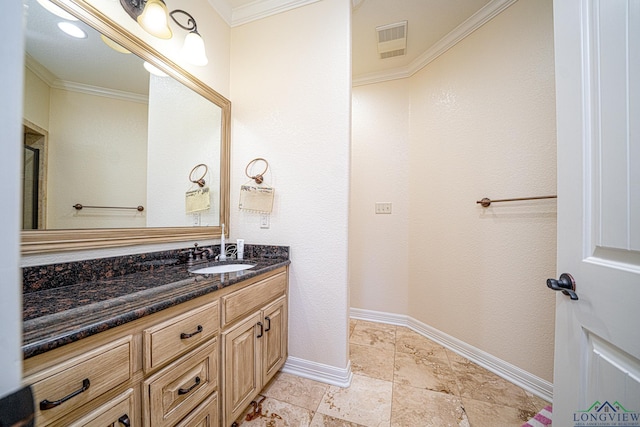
[(61, 315)]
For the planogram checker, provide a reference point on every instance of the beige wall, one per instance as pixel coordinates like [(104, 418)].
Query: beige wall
[(379, 244), (96, 154), (184, 131), (291, 94), (105, 141), (482, 124), (36, 99)]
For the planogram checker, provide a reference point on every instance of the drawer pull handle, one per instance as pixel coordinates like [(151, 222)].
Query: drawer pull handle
[(47, 404), (184, 336), (187, 390), (268, 319), (124, 420), (261, 330)]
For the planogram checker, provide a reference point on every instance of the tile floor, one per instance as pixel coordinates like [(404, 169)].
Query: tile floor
[(401, 379)]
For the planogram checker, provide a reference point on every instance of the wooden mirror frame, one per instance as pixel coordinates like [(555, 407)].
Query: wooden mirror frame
[(46, 241)]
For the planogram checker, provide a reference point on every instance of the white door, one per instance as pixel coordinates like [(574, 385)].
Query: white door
[(597, 350)]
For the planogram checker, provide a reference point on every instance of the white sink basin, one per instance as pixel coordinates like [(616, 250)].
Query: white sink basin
[(222, 268)]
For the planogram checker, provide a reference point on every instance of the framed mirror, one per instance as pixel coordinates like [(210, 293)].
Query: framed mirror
[(113, 152)]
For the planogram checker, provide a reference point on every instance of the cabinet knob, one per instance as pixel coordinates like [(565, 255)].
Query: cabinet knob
[(124, 420)]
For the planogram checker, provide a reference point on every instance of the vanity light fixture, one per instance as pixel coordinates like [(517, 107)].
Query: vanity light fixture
[(153, 17), (193, 47), (113, 45), (154, 70), (57, 10)]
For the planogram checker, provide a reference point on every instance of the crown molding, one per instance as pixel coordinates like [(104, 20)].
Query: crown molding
[(477, 20), (53, 82), (255, 10), (261, 9), (100, 91), (39, 70), (224, 10)]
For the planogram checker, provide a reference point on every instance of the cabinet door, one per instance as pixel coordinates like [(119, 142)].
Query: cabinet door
[(242, 370), (274, 341)]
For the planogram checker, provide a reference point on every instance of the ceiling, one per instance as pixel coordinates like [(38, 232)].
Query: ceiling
[(60, 60), (433, 27)]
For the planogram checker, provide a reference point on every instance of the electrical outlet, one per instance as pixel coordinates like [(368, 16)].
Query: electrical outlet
[(196, 219), (264, 220), (383, 207)]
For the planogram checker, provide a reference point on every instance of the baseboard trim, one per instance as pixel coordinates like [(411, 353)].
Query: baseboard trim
[(509, 372), (319, 372)]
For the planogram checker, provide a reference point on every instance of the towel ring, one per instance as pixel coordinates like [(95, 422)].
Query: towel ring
[(200, 181), (259, 178)]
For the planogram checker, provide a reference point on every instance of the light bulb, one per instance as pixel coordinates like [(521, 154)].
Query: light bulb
[(57, 10), (154, 19), (154, 70), (193, 50)]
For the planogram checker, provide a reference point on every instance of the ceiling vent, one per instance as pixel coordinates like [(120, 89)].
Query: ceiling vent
[(392, 40)]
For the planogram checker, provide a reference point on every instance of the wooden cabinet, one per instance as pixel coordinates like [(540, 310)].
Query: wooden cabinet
[(72, 383), (118, 412), (177, 389), (274, 345), (255, 347), (164, 369), (166, 340)]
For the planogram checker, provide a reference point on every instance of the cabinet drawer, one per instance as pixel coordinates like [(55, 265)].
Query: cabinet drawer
[(177, 389), (70, 385), (240, 303), (118, 412), (205, 415), (167, 340)]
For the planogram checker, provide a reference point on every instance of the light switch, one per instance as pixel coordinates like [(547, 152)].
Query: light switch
[(264, 220), (383, 207)]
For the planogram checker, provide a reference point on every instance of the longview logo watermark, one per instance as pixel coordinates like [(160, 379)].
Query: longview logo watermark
[(606, 415)]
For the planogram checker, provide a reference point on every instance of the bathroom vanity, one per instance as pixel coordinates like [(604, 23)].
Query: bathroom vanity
[(160, 346)]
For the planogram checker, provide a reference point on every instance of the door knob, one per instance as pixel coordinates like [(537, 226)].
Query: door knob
[(565, 283)]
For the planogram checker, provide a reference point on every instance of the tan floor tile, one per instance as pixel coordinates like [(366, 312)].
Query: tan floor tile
[(352, 326), (477, 383), (536, 402), (425, 372), (374, 334), (425, 408), (321, 420), (373, 362), (367, 401), (296, 390), (274, 413), (484, 414), (408, 341)]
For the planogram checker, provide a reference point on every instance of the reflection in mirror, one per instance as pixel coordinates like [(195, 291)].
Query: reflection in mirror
[(101, 132), (95, 100)]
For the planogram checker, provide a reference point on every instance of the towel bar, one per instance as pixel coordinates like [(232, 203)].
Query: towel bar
[(79, 206), (486, 202)]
